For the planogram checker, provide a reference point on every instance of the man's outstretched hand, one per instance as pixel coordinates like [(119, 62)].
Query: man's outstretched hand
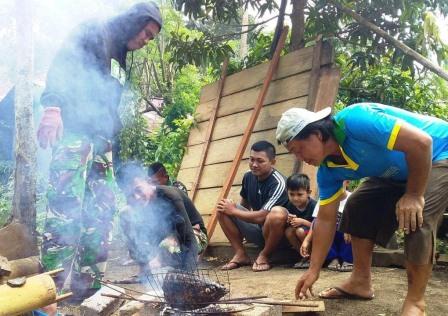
[(304, 287), (50, 127)]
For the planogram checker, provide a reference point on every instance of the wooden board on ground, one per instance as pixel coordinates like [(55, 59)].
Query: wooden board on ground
[(99, 305), (292, 310)]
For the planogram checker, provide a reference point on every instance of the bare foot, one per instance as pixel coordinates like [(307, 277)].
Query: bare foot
[(411, 308)]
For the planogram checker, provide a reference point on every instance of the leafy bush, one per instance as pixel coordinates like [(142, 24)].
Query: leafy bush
[(6, 193), (388, 84)]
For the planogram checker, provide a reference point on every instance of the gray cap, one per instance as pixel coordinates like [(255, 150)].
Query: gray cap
[(295, 120)]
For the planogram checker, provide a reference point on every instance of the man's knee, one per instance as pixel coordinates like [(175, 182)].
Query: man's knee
[(277, 215)]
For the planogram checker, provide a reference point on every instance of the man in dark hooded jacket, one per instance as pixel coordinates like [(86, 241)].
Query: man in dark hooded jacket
[(80, 121)]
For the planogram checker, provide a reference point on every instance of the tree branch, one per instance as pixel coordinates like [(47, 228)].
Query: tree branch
[(401, 46), (149, 106)]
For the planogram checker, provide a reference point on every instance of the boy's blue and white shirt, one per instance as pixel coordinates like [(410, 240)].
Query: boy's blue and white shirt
[(366, 133)]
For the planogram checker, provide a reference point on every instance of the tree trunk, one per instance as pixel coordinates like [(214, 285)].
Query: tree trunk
[(24, 201), (279, 27), (401, 46), (297, 40), (243, 40)]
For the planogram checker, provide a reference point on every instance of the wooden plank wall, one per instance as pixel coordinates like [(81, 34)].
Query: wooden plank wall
[(289, 88)]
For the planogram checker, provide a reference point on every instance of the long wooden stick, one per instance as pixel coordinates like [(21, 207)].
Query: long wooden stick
[(238, 301), (210, 128), (401, 46), (247, 133)]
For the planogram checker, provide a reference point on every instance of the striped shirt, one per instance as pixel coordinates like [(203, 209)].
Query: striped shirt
[(264, 195)]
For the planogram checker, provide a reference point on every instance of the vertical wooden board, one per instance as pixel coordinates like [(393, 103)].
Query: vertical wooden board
[(215, 175), (315, 73), (235, 124), (311, 171), (206, 199), (280, 90), (218, 234), (295, 62), (192, 156), (223, 150), (328, 88)]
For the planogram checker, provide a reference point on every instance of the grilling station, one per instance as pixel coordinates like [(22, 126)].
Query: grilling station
[(232, 112), (198, 292)]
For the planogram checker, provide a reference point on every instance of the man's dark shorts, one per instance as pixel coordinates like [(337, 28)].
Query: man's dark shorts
[(253, 233), (370, 213)]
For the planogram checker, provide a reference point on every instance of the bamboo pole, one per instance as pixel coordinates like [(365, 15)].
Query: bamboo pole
[(36, 292), (247, 133), (210, 128), (404, 48)]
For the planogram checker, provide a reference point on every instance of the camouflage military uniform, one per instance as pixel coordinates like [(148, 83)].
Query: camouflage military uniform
[(81, 206)]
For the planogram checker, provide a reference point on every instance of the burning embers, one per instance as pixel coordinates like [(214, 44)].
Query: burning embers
[(189, 291)]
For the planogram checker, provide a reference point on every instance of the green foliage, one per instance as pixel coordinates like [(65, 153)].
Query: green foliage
[(6, 194), (200, 51), (387, 83), (167, 143), (135, 139), (442, 245), (222, 10), (411, 22)]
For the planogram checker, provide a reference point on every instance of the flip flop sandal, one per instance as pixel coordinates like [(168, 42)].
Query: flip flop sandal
[(302, 264), (346, 267), (334, 265), (232, 265), (341, 294), (260, 267)]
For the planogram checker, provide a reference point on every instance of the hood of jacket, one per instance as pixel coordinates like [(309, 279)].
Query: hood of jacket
[(128, 24)]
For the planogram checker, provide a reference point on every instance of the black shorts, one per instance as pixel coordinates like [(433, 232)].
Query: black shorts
[(370, 213)]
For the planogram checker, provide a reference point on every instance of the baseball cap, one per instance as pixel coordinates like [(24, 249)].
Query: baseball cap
[(295, 120)]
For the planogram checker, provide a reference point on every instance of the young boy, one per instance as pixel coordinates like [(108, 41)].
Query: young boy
[(300, 208), (339, 256)]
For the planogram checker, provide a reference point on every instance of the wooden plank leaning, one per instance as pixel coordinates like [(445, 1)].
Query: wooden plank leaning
[(250, 126), (210, 128)]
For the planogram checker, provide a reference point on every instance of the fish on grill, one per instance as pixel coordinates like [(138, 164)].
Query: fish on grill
[(187, 291)]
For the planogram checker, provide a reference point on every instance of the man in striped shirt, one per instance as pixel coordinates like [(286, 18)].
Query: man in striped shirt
[(258, 218)]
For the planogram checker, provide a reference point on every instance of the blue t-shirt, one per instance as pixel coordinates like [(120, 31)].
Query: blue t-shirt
[(366, 133)]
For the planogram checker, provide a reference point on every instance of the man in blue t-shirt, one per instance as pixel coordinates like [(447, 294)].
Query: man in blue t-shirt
[(258, 218), (405, 159)]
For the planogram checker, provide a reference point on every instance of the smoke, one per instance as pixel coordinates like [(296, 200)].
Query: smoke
[(152, 215), (74, 79), (52, 22)]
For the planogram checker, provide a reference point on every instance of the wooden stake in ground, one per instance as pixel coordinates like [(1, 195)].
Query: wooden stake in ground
[(404, 48), (250, 126)]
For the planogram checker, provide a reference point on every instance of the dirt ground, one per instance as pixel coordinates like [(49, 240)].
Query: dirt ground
[(389, 283)]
